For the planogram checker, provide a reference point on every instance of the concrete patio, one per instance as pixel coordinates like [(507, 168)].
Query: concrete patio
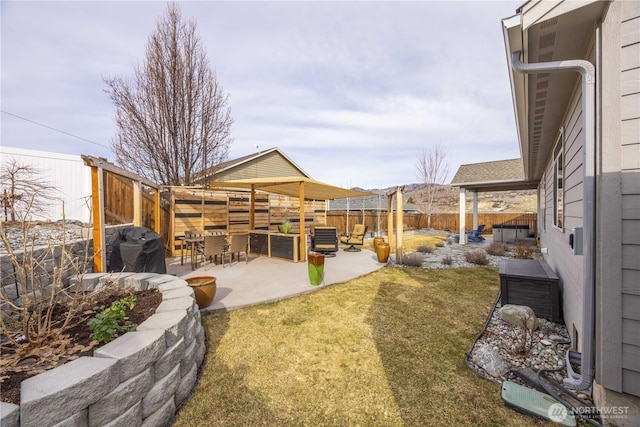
[(265, 279)]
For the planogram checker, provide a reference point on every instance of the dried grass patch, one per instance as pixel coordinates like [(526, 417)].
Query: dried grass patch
[(384, 349)]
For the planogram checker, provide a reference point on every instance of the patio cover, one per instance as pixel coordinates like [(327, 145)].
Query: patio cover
[(294, 186), (290, 186)]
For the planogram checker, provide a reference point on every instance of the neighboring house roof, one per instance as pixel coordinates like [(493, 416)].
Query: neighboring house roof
[(266, 163), (492, 176), (369, 203)]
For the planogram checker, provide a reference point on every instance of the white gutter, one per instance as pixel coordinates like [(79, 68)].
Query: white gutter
[(587, 71)]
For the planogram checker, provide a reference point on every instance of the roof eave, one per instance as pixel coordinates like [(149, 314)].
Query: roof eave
[(513, 40)]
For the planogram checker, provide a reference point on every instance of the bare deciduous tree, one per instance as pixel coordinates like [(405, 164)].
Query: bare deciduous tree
[(24, 192), (173, 117), (433, 170)]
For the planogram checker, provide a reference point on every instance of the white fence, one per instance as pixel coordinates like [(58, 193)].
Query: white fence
[(65, 172)]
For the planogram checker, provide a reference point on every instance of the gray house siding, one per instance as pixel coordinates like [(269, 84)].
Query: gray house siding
[(560, 255), (630, 166), (618, 212)]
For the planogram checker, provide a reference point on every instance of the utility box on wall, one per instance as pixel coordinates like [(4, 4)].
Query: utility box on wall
[(532, 283)]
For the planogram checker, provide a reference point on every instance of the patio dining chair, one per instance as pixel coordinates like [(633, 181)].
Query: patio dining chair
[(324, 240), (214, 246), (238, 243)]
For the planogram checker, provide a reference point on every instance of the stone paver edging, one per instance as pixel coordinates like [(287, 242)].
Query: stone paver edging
[(139, 379)]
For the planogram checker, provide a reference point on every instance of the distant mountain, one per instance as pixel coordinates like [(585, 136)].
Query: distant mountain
[(501, 201)]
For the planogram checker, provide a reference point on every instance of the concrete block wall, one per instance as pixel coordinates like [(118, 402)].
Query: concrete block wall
[(49, 258), (139, 379)]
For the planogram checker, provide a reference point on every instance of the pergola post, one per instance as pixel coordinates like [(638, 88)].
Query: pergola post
[(252, 211), (303, 235), (97, 196), (156, 211), (463, 214), (399, 225), (390, 218), (137, 203)]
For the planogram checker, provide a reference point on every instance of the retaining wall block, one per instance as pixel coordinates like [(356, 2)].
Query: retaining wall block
[(190, 333), (189, 357), (187, 383), (121, 399), (182, 292), (78, 419), (173, 284), (9, 415), (169, 360), (162, 417), (10, 291), (136, 350), (89, 281), (171, 304), (117, 278), (52, 396), (131, 418), (201, 347), (138, 281), (154, 282), (173, 323), (161, 391)]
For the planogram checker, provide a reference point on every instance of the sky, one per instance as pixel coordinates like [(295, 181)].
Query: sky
[(351, 92)]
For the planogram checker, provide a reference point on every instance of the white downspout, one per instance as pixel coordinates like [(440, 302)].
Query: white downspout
[(587, 71)]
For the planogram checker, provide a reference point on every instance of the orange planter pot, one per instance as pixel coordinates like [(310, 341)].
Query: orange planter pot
[(382, 251), (204, 288), (377, 241)]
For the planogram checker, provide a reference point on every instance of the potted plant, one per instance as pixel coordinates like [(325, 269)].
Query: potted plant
[(316, 268), (285, 227)]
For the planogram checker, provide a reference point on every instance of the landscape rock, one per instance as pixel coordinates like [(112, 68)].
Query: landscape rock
[(490, 360), (519, 315)]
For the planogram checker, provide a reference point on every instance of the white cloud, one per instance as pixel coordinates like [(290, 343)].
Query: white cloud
[(326, 82)]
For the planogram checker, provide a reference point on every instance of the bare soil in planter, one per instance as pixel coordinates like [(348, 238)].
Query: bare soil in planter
[(74, 343)]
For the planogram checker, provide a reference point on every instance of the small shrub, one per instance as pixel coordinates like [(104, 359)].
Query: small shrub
[(477, 256), (447, 260), (496, 249), (425, 249), (285, 227), (414, 259), (111, 321), (523, 252), (440, 245)]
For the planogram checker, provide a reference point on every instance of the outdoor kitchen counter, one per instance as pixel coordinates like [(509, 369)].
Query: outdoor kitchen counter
[(274, 244)]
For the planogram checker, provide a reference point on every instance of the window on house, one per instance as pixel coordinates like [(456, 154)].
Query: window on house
[(542, 202), (558, 185)]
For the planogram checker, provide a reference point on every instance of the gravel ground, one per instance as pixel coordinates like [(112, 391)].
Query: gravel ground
[(43, 234)]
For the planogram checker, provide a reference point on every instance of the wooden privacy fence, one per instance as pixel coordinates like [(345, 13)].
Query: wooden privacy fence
[(204, 211), (439, 221)]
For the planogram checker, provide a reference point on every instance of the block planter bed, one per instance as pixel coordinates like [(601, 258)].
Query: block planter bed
[(139, 378), (532, 283)]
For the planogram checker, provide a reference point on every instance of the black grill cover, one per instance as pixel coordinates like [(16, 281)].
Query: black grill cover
[(137, 249)]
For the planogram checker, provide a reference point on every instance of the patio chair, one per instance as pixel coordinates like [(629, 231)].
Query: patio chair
[(354, 238), (324, 240), (238, 243), (214, 246), (476, 235)]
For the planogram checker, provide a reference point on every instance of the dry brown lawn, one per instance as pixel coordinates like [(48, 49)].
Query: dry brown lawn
[(386, 349)]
